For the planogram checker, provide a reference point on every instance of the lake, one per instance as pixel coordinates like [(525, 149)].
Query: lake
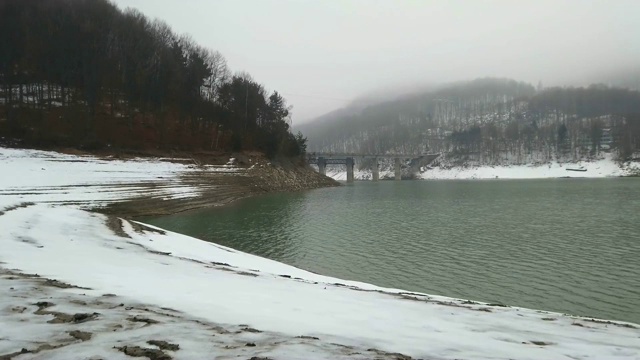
[(566, 245)]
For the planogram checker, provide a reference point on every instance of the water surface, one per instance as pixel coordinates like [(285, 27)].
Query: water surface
[(567, 245)]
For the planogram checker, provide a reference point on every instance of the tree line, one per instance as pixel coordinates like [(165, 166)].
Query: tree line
[(493, 121), (556, 123), (85, 73)]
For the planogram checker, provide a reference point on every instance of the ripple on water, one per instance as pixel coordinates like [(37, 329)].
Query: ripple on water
[(562, 245)]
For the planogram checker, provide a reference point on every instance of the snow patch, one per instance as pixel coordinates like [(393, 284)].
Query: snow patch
[(599, 168), (88, 181), (605, 167)]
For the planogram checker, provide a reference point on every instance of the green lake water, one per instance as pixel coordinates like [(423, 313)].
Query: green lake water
[(567, 245)]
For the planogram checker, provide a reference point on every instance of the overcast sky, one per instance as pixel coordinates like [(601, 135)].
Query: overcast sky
[(322, 54)]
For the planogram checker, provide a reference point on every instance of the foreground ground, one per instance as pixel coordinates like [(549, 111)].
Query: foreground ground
[(76, 284)]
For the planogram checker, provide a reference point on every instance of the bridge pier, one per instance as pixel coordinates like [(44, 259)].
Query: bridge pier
[(350, 164), (375, 171), (323, 159), (322, 166)]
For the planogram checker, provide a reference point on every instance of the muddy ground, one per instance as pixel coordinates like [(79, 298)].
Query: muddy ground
[(218, 189), (256, 175)]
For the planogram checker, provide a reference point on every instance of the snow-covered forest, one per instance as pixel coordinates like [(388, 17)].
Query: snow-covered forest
[(491, 121)]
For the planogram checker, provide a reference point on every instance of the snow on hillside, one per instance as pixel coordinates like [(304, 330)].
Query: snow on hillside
[(337, 172), (605, 167), (107, 288), (599, 168), (43, 176)]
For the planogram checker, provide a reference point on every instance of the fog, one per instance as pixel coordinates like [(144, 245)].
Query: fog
[(323, 54)]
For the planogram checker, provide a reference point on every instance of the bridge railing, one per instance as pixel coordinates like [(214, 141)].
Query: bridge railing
[(360, 155)]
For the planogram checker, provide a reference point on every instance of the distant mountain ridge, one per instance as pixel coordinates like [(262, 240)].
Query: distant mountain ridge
[(489, 118)]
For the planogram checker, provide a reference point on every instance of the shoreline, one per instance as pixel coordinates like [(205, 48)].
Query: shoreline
[(603, 167), (214, 180), (109, 288), (215, 191)]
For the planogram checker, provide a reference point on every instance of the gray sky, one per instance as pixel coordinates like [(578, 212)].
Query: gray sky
[(322, 54)]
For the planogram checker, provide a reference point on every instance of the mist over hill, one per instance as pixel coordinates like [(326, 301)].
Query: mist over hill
[(488, 119)]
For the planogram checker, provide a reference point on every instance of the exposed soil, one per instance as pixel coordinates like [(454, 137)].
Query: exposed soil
[(137, 351), (143, 320), (257, 176), (81, 335), (11, 208), (163, 345)]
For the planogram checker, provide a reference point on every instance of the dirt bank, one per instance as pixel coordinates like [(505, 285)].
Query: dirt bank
[(131, 184), (257, 176)]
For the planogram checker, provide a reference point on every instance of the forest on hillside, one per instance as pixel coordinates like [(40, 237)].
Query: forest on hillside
[(85, 73), (489, 120)]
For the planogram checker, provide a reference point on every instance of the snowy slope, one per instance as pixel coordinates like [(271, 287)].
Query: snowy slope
[(174, 271), (216, 302), (43, 176), (604, 167)]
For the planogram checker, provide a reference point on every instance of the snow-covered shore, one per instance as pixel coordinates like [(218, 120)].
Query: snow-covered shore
[(599, 168), (108, 288), (604, 167), (88, 181)]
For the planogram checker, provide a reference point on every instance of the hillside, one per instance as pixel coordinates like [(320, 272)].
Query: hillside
[(489, 120), (88, 75)]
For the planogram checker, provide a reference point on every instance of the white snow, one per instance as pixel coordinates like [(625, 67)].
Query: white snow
[(206, 296), (605, 167), (41, 176), (599, 168), (339, 173)]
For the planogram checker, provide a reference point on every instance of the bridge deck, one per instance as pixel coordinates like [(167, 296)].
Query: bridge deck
[(369, 156), (338, 159)]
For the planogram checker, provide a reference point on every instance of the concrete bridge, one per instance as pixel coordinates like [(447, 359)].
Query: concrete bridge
[(324, 159)]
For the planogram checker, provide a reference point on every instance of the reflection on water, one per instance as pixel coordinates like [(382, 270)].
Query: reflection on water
[(568, 245)]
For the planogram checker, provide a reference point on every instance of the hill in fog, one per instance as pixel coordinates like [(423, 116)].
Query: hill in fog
[(489, 118)]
